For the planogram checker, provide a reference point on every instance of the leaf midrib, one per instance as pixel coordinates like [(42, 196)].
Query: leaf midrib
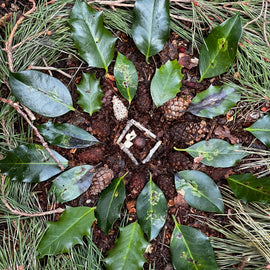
[(150, 33)]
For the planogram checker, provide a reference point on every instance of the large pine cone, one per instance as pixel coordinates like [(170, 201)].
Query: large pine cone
[(101, 179), (176, 107), (189, 132)]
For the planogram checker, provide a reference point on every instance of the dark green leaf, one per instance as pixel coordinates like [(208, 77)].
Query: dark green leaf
[(31, 163), (41, 93), (61, 236), (216, 153), (66, 135), (90, 93), (129, 249), (110, 203), (126, 77), (72, 183), (219, 50), (200, 190), (248, 188), (151, 25), (166, 82), (151, 209), (191, 249), (93, 41), (216, 100), (261, 130)]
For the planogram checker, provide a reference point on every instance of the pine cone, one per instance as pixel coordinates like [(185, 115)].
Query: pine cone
[(178, 161), (102, 178), (143, 101), (189, 132), (176, 107)]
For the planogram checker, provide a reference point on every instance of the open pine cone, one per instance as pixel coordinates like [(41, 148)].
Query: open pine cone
[(176, 107), (101, 179)]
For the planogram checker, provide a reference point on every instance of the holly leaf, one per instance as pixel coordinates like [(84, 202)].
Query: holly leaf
[(261, 130), (31, 163), (129, 249), (93, 41), (166, 82), (66, 135), (151, 209), (110, 203), (151, 25), (200, 191), (214, 101), (216, 153), (41, 93), (90, 93), (72, 183), (61, 236), (191, 249), (248, 188), (219, 50), (126, 77)]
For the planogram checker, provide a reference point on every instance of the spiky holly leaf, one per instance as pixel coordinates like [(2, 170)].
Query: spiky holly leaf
[(93, 41), (129, 249), (61, 236)]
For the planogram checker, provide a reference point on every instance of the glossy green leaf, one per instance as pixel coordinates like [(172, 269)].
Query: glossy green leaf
[(110, 203), (219, 50), (31, 163), (151, 209), (166, 82), (151, 25), (200, 190), (72, 183), (90, 93), (61, 236), (129, 249), (216, 153), (248, 188), (261, 130), (126, 77), (216, 100), (93, 41), (41, 93), (66, 135), (191, 249)]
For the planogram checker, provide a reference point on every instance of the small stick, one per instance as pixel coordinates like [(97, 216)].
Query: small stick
[(20, 213), (45, 63), (45, 145), (8, 44), (264, 24), (50, 68)]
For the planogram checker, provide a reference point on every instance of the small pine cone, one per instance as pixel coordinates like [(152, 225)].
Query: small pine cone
[(178, 161), (176, 107), (119, 109), (102, 178), (189, 132)]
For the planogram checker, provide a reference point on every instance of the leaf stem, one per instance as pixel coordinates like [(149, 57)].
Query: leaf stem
[(177, 149)]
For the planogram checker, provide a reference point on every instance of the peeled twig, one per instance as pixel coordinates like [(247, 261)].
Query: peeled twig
[(45, 145), (20, 213), (50, 68)]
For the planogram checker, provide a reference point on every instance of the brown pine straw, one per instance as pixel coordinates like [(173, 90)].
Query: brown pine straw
[(21, 213)]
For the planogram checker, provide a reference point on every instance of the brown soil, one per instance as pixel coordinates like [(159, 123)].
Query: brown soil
[(165, 161)]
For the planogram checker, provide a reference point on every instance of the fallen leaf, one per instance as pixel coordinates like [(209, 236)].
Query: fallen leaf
[(188, 61), (224, 132)]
